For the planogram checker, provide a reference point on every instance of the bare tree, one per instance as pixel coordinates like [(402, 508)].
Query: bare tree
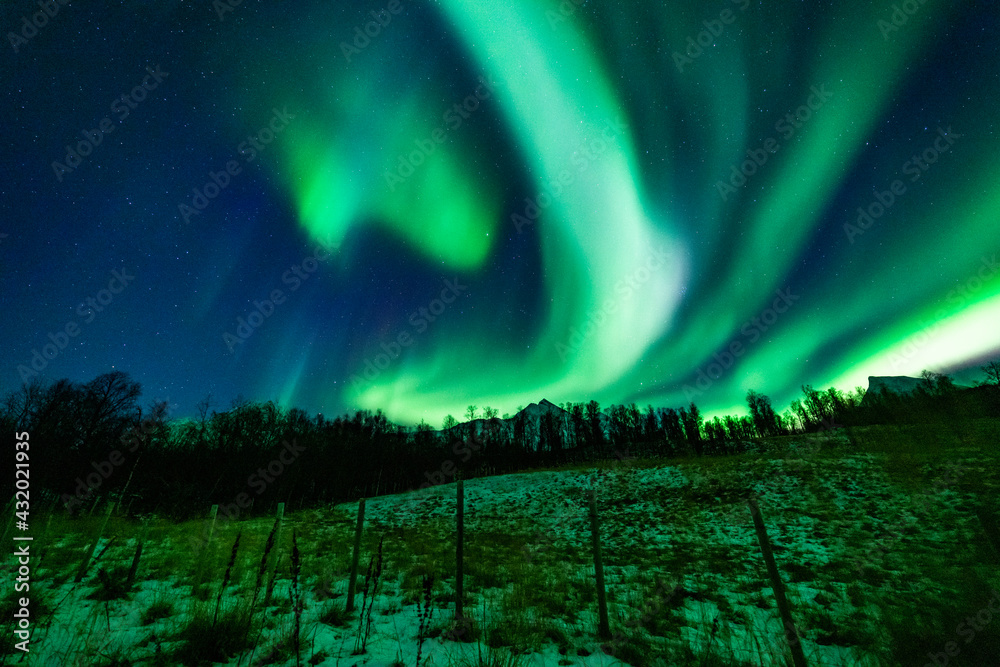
[(936, 384), (592, 413), (764, 418), (449, 422), (21, 404), (204, 405), (108, 405), (470, 413)]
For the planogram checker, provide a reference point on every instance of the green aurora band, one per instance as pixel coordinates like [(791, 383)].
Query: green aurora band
[(601, 86)]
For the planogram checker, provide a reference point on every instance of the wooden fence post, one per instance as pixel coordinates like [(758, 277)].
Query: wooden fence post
[(352, 582), (97, 499), (203, 554), (213, 514), (604, 628), (791, 634), (8, 513), (273, 567), (93, 545), (45, 540), (130, 580), (989, 523), (459, 553)]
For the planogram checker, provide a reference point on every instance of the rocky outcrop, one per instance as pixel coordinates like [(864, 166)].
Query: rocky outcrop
[(893, 384)]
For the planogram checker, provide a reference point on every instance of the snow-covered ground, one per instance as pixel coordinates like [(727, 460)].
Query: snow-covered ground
[(683, 569)]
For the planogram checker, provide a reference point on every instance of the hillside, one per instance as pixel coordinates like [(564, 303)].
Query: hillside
[(882, 554)]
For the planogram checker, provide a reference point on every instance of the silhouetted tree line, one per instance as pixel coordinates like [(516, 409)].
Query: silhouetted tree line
[(936, 399), (95, 440)]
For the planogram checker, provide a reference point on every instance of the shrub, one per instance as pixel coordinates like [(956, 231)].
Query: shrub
[(205, 641), (154, 612)]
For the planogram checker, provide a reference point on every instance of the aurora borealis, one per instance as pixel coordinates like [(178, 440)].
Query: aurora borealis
[(417, 206)]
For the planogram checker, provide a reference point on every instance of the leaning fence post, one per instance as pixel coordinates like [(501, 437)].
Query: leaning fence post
[(9, 522), (273, 567), (604, 628), (130, 579), (93, 545), (203, 549), (791, 634), (459, 552), (213, 513), (97, 499), (352, 582), (45, 539)]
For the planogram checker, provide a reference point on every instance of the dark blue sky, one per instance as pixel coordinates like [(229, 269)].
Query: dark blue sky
[(564, 310)]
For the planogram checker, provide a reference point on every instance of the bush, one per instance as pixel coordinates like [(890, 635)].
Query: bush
[(154, 612), (206, 642), (335, 615)]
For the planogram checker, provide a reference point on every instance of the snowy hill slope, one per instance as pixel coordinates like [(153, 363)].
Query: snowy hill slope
[(860, 545)]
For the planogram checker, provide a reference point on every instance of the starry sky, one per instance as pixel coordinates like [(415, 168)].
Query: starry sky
[(417, 205)]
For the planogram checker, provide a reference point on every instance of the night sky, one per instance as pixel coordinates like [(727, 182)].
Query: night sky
[(495, 203)]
